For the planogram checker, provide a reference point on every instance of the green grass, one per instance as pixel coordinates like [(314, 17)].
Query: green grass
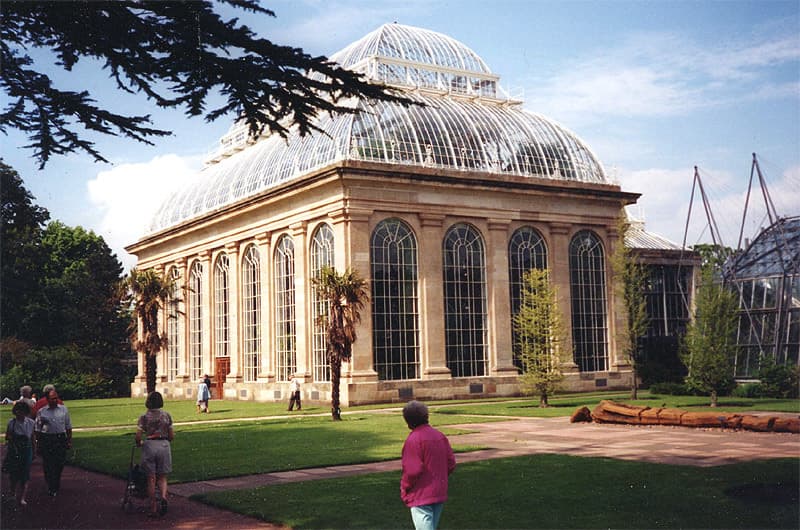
[(546, 491), (206, 451)]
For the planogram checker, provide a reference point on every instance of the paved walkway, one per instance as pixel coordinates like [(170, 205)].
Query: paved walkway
[(91, 500)]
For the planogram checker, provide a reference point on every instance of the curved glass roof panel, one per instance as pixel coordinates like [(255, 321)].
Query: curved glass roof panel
[(774, 252), (443, 132), (417, 45)]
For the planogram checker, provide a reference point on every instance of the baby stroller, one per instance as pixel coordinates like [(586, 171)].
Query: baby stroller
[(136, 484)]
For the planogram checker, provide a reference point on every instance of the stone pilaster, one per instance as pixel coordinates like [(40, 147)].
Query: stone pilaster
[(433, 363)]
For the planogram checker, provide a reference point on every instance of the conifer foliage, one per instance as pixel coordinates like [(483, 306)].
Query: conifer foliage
[(541, 336), (176, 52)]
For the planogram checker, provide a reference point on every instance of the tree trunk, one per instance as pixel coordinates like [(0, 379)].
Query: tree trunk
[(336, 373), (543, 400), (150, 371), (635, 384), (713, 398)]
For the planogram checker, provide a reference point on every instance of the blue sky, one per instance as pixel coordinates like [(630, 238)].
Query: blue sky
[(654, 88)]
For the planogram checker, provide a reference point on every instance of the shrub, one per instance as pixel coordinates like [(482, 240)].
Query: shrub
[(670, 389), (747, 390), (777, 380)]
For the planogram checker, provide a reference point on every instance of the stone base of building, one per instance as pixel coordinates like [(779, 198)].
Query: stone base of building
[(364, 393)]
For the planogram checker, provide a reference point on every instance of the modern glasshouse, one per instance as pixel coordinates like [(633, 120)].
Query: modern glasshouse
[(440, 206), (766, 275)]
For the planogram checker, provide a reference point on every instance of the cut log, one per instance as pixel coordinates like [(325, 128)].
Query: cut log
[(787, 425), (582, 414), (758, 423)]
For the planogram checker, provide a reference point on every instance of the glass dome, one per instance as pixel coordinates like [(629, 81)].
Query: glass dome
[(459, 125)]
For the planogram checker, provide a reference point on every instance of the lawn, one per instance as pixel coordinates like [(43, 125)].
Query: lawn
[(546, 491)]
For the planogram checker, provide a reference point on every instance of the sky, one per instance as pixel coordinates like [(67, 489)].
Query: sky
[(654, 88)]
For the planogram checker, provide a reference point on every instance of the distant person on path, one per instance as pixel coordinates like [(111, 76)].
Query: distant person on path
[(203, 395), (207, 381), (19, 449), (53, 438), (153, 434), (427, 462), (42, 402), (294, 393)]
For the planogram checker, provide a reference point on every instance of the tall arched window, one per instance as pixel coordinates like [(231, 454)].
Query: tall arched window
[(526, 251), (587, 271), (196, 320), (285, 347), (321, 256), (465, 301), (222, 331), (395, 318), (251, 313), (174, 327)]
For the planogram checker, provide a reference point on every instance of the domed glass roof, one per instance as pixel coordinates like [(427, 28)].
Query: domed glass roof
[(461, 124)]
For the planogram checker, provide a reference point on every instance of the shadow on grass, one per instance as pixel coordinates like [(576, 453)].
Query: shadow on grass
[(779, 493)]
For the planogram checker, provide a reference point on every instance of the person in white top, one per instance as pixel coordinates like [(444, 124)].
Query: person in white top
[(53, 437), (294, 392)]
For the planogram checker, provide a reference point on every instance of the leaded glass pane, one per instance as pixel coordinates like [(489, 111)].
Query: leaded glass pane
[(174, 325), (285, 337), (251, 313), (222, 337), (321, 256), (196, 320), (465, 301), (395, 318), (526, 251), (588, 295)]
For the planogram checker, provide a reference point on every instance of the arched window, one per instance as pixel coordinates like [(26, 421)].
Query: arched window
[(174, 327), (321, 256), (526, 251), (465, 301), (588, 294), (251, 313), (222, 332), (395, 318), (285, 347), (196, 320)]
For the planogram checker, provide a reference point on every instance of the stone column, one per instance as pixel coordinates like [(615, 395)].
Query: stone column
[(499, 300), (558, 255), (235, 348), (617, 323), (433, 363), (161, 357), (183, 322), (302, 312), (266, 372)]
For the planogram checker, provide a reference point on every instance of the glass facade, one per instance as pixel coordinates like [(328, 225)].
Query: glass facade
[(285, 337), (196, 321), (321, 256), (222, 328), (395, 318), (251, 313), (465, 301), (526, 251), (174, 325), (587, 270)]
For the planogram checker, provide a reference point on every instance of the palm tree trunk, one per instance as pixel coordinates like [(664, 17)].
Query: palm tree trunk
[(336, 374), (150, 371)]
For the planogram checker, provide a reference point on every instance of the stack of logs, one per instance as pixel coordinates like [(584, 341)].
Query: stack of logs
[(612, 412)]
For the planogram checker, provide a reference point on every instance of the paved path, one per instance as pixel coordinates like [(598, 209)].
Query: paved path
[(91, 500)]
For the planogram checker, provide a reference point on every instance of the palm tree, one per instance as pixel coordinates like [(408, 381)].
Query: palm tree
[(147, 291), (346, 294)]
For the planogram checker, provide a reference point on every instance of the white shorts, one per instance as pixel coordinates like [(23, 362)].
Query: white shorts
[(156, 457)]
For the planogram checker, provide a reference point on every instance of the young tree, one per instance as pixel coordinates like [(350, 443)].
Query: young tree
[(541, 337), (710, 341), (148, 292), (346, 294), (177, 53), (631, 281)]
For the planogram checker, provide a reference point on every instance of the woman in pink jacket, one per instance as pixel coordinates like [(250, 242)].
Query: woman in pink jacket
[(427, 462)]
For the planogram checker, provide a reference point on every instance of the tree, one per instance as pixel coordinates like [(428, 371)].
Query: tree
[(541, 337), (176, 52), (346, 294), (148, 292), (631, 281), (21, 253), (710, 341)]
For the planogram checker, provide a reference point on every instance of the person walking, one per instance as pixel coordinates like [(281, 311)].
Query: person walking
[(427, 462), (26, 395), (154, 433), (53, 438), (20, 445), (203, 395), (42, 401), (294, 392)]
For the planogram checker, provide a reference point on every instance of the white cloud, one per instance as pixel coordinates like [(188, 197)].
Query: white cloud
[(129, 195), (661, 74)]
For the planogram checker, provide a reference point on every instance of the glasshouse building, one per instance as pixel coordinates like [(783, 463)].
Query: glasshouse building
[(766, 275), (440, 206)]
